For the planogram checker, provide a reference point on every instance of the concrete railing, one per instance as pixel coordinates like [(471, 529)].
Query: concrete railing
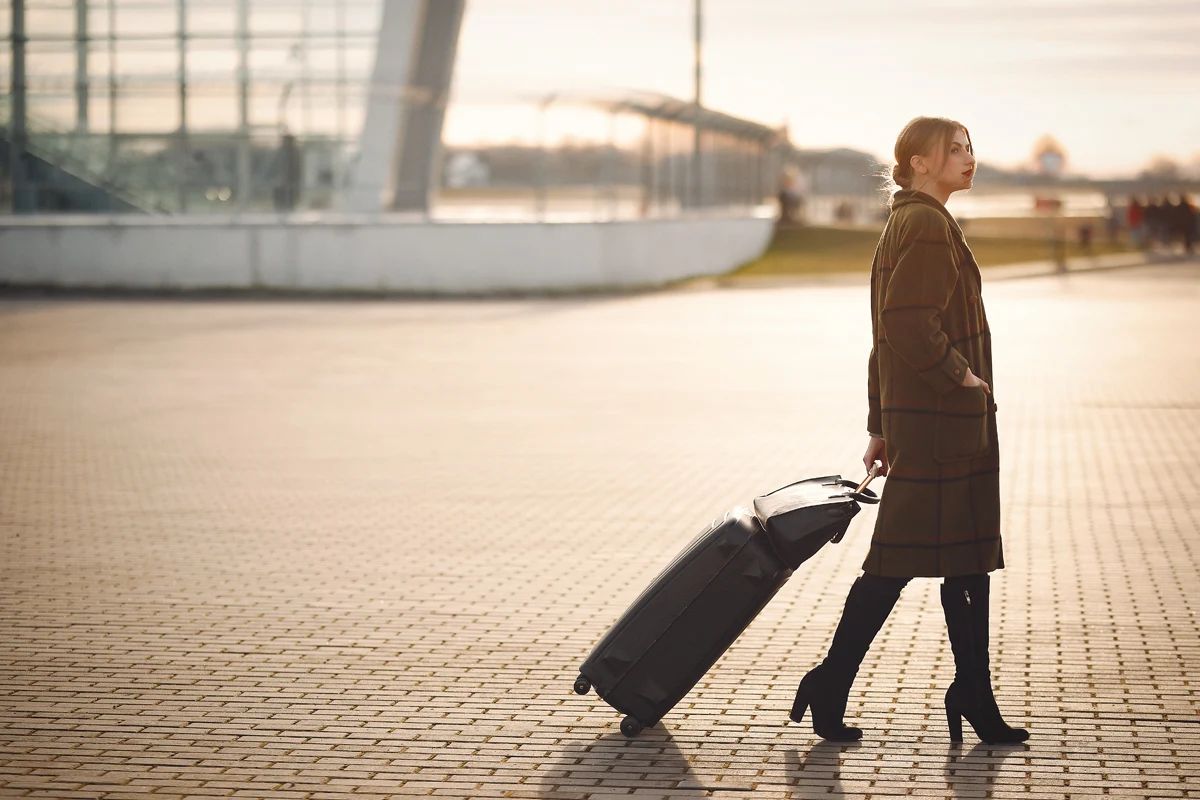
[(371, 253)]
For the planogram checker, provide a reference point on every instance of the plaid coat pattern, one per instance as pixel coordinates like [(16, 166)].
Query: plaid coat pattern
[(940, 510)]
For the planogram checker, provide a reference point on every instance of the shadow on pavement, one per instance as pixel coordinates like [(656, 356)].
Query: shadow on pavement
[(973, 773), (613, 763), (817, 773)]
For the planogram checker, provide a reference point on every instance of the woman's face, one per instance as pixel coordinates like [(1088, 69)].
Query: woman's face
[(958, 170)]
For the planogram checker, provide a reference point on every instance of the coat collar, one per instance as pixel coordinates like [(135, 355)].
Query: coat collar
[(906, 197)]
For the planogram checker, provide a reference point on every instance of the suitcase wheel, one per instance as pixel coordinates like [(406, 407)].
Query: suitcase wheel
[(582, 685), (630, 727)]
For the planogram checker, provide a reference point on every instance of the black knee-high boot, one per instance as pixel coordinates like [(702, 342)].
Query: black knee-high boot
[(826, 688), (966, 601)]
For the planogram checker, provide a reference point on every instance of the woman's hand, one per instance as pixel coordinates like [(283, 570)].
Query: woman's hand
[(876, 451), (972, 380)]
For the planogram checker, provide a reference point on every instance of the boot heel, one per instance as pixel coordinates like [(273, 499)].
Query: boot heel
[(954, 721), (799, 707)]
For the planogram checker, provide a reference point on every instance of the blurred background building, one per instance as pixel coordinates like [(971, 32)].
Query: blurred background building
[(302, 144), (299, 144), (177, 106), (217, 106)]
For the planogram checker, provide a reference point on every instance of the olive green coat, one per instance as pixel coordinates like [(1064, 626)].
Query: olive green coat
[(940, 512)]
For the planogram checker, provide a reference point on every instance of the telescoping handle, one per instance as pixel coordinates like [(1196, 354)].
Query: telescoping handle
[(861, 493), (870, 476)]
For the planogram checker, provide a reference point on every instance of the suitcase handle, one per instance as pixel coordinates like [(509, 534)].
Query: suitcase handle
[(864, 496), (861, 493)]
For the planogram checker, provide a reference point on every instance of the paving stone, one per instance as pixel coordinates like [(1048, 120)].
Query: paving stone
[(358, 549)]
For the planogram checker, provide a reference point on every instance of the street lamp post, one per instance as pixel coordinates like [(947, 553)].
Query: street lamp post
[(697, 172), (21, 192)]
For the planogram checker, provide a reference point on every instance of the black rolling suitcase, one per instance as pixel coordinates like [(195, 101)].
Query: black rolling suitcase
[(695, 609)]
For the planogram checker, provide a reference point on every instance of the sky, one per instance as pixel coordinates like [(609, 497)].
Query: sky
[(1115, 82)]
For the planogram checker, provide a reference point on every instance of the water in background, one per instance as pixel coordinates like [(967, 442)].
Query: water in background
[(979, 205), (976, 204), (587, 204)]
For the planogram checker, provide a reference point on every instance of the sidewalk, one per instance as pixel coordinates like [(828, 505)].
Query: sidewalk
[(1028, 269), (358, 549), (1033, 269)]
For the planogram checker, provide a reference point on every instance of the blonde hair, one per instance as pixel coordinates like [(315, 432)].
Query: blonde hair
[(923, 136)]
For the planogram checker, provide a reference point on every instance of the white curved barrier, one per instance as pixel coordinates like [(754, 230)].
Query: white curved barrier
[(371, 253)]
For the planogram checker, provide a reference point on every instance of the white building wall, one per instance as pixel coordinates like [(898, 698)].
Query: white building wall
[(370, 253)]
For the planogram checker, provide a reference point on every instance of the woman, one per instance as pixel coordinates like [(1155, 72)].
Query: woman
[(933, 428)]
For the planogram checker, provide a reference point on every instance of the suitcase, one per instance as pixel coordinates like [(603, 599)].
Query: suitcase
[(694, 610)]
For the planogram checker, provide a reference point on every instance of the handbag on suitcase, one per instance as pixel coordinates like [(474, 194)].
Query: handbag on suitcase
[(694, 610)]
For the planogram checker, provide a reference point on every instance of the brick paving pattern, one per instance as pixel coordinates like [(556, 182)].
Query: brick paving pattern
[(356, 549)]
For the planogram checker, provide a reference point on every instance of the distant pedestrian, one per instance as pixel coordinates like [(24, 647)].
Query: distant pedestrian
[(789, 196), (1136, 218), (1155, 219), (1183, 222), (932, 425), (1112, 220), (1166, 225)]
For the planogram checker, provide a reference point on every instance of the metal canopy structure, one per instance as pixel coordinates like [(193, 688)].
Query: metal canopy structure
[(664, 107)]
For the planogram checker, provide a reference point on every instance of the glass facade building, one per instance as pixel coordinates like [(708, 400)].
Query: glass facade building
[(185, 105), (243, 106)]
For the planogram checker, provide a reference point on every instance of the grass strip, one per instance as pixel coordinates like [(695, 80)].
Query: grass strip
[(816, 250)]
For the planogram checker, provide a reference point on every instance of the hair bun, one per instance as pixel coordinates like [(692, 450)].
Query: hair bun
[(900, 178)]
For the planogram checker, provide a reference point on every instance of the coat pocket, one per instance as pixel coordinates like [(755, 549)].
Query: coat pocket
[(961, 428)]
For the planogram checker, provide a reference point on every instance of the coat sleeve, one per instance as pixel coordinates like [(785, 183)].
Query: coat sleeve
[(920, 288), (874, 391), (874, 412)]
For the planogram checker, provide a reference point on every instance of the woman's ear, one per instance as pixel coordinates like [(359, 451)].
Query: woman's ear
[(918, 164)]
